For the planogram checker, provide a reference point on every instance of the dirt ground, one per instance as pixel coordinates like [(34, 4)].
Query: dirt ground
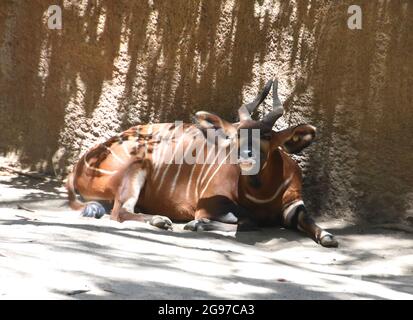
[(50, 252)]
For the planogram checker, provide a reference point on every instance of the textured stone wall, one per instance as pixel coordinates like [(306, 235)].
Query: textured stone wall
[(118, 63)]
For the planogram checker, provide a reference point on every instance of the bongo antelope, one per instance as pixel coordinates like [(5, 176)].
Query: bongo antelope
[(138, 168), (130, 169), (273, 196)]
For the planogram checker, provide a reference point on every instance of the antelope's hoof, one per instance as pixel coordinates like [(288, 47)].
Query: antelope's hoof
[(197, 225), (191, 225), (161, 222), (329, 241), (93, 209)]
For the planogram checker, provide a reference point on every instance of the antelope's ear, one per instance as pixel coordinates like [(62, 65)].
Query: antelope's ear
[(206, 120), (298, 138)]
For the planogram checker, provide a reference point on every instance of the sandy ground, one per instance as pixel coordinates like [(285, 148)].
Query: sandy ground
[(52, 253)]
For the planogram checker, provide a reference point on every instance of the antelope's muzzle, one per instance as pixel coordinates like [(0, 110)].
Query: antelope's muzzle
[(247, 161)]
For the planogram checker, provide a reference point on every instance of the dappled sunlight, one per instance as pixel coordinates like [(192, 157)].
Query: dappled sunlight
[(18, 190), (116, 64), (53, 253), (62, 255)]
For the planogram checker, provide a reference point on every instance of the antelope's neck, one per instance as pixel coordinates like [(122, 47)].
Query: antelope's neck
[(268, 185)]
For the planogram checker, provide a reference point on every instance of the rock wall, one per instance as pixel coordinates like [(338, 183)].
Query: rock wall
[(118, 63)]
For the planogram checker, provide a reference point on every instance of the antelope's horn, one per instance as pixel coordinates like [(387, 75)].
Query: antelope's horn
[(246, 109), (277, 108)]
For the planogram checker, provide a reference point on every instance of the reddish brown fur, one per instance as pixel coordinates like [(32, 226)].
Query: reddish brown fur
[(154, 198), (125, 170)]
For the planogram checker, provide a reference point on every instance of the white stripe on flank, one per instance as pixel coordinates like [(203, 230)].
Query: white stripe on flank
[(97, 169), (171, 163), (125, 150), (192, 172), (163, 147), (202, 172), (156, 150), (160, 152), (180, 168), (211, 166), (216, 171), (115, 155), (274, 196), (264, 165)]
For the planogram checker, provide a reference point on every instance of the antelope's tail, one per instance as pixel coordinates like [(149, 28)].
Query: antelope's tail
[(74, 203)]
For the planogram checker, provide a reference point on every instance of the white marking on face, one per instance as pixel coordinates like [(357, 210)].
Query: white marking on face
[(274, 196)]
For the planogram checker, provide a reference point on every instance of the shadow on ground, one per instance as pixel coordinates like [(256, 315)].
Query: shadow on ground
[(53, 253)]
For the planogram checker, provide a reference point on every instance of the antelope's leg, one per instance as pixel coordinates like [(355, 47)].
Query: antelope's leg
[(218, 214), (295, 216), (128, 195), (204, 224)]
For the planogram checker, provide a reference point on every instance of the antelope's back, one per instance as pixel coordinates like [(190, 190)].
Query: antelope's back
[(173, 185)]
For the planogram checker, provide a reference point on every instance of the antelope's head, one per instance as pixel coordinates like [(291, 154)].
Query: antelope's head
[(255, 139)]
